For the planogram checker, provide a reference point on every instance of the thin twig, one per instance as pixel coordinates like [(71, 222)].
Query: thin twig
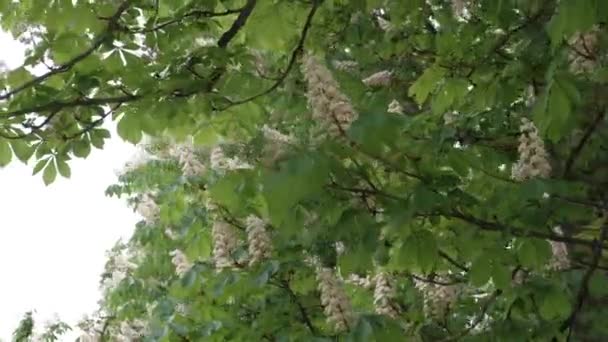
[(97, 42), (583, 292)]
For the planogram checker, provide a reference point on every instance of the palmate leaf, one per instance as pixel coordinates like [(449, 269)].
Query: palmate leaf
[(400, 188)]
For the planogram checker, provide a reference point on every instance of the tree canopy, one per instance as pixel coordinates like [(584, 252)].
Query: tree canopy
[(316, 170)]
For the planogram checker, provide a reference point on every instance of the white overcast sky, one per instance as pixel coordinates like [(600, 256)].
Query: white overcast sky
[(53, 239)]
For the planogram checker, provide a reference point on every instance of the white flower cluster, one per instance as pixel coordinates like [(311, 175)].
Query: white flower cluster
[(132, 331), (357, 280), (460, 10), (346, 65), (147, 208), (186, 156), (384, 296), (384, 24), (395, 107), (437, 298), (336, 304), (276, 136), (181, 262), (379, 79), (224, 242), (559, 260), (260, 245), (330, 107), (121, 266), (88, 337), (219, 161), (533, 159), (449, 117)]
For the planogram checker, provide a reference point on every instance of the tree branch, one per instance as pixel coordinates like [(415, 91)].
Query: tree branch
[(581, 144), (240, 21), (583, 292), (294, 56), (497, 227), (284, 284), (97, 42), (194, 13)]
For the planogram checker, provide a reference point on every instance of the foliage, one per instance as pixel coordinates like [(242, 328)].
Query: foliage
[(394, 159)]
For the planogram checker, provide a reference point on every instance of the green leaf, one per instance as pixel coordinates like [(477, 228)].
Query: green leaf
[(6, 154), (81, 148), (49, 174), (64, 168), (129, 128), (555, 305), (480, 271), (426, 83), (533, 253), (40, 165), (420, 251), (22, 150)]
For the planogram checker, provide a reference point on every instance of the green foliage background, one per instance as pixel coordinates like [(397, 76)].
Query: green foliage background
[(408, 194)]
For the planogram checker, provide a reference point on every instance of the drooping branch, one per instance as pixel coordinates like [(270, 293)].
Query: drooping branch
[(112, 25), (296, 52), (519, 232)]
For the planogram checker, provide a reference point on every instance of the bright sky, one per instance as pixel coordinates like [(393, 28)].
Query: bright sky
[(53, 239)]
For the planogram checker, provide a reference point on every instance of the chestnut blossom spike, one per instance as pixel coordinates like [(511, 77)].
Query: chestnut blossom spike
[(148, 208), (187, 158), (384, 296), (533, 158), (224, 243), (379, 79), (330, 107), (346, 65), (395, 107), (336, 304), (260, 245), (180, 261), (560, 259), (438, 299)]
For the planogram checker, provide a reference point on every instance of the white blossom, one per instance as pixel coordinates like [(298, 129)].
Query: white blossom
[(384, 296), (132, 331), (336, 304), (560, 259), (87, 337), (276, 136), (357, 280), (181, 262), (533, 159), (147, 208), (438, 299), (395, 107), (191, 166), (449, 117), (260, 245), (379, 79), (346, 65), (460, 10), (224, 242), (384, 24), (330, 107)]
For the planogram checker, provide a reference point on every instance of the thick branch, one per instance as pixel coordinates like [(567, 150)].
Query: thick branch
[(59, 105), (97, 42), (240, 21)]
